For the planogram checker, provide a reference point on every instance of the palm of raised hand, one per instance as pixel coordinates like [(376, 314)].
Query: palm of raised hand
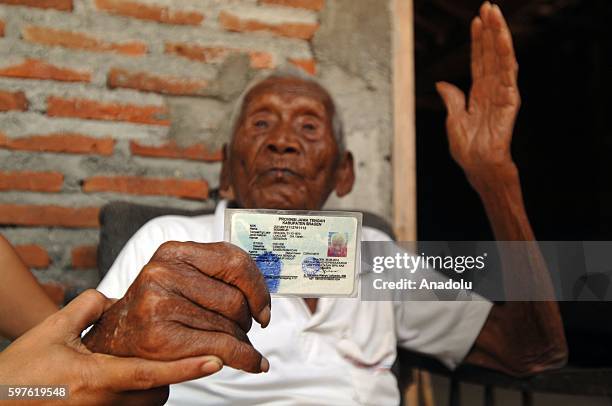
[(480, 134)]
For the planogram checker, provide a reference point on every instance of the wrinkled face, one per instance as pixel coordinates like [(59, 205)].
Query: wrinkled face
[(283, 154)]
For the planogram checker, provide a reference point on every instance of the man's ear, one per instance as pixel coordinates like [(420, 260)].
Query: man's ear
[(225, 185), (345, 175)]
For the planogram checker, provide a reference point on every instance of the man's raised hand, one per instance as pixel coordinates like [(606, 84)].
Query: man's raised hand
[(191, 299), (480, 133)]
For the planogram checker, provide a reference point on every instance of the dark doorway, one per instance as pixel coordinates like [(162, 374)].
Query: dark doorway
[(562, 142)]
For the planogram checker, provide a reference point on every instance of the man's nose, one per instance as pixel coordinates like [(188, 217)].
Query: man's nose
[(283, 140)]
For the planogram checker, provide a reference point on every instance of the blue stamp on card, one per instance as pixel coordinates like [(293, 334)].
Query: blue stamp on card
[(270, 266), (311, 266)]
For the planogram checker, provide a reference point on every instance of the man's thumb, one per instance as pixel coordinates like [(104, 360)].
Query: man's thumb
[(453, 97)]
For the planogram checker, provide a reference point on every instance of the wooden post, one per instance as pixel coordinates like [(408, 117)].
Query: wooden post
[(404, 141), (404, 157)]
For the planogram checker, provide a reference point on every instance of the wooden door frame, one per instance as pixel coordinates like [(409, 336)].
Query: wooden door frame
[(404, 140)]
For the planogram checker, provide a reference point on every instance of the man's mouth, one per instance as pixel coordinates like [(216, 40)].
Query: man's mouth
[(280, 174)]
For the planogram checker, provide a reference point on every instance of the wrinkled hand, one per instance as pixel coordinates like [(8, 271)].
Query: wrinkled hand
[(52, 354), (480, 135), (191, 299)]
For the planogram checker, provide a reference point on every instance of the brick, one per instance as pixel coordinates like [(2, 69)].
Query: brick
[(198, 52), (55, 291), (308, 65), (84, 257), (13, 101), (2, 25), (63, 5), (60, 142), (196, 152), (34, 256), (150, 12), (110, 111), (155, 83), (135, 185), (37, 69), (49, 215), (232, 22), (32, 181), (261, 60), (258, 59), (315, 5), (78, 40)]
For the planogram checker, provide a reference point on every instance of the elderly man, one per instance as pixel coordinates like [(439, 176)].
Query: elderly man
[(287, 152)]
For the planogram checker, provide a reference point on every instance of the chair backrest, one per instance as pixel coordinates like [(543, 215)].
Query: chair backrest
[(120, 220)]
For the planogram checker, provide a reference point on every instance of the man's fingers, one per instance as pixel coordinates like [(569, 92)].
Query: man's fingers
[(506, 57), (500, 26), (477, 57), (251, 283), (212, 294), (126, 374), (453, 97), (193, 316), (228, 263), (488, 43), (233, 352)]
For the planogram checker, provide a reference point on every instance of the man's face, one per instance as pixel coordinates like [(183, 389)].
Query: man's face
[(283, 154)]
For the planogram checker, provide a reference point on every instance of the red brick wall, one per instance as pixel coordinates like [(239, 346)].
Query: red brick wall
[(92, 95)]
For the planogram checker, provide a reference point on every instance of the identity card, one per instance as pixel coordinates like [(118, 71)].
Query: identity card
[(300, 253)]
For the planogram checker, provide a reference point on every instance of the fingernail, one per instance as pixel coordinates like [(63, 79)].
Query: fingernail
[(212, 366), (265, 365), (264, 317)]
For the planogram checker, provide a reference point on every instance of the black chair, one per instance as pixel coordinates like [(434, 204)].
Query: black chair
[(120, 220)]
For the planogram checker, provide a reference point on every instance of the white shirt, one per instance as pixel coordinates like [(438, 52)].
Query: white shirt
[(339, 355)]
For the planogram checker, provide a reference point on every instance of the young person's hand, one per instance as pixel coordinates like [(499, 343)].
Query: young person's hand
[(52, 354)]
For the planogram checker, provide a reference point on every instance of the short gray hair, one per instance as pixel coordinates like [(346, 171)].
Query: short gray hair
[(286, 71)]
